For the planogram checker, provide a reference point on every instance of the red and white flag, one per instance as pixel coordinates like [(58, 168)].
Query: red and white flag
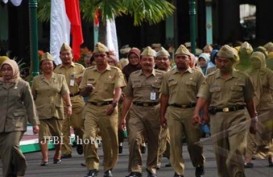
[(65, 20)]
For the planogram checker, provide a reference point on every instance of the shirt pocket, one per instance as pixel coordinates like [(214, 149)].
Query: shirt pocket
[(237, 90), (191, 84), (172, 85), (215, 92), (19, 118)]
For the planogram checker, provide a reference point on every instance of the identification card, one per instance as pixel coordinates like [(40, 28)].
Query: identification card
[(72, 82), (153, 96)]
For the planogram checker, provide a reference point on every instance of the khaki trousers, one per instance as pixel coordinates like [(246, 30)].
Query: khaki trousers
[(76, 122), (261, 143), (229, 132), (95, 117), (164, 144), (143, 122), (13, 160), (181, 126)]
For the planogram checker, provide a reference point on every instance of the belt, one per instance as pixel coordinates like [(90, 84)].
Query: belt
[(191, 105), (101, 103), (74, 94), (145, 104), (214, 110)]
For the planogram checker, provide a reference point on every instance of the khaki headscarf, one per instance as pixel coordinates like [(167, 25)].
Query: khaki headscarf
[(15, 69)]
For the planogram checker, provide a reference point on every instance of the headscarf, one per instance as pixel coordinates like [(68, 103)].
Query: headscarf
[(15, 69)]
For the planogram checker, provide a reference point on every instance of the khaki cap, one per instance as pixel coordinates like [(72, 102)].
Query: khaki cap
[(3, 58), (148, 51), (246, 48), (182, 50), (100, 48), (228, 52), (258, 55), (269, 46), (47, 56), (65, 47), (162, 52)]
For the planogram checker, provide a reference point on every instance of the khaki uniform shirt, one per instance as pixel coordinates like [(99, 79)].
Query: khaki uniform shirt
[(142, 88), (104, 83), (227, 92), (48, 95), (182, 88), (17, 107), (71, 74), (263, 85)]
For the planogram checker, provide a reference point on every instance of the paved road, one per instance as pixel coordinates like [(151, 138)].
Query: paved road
[(72, 167)]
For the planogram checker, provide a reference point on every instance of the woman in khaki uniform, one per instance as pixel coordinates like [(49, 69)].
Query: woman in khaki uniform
[(262, 79), (49, 91), (17, 108)]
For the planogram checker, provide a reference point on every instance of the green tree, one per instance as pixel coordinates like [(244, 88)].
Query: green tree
[(150, 11)]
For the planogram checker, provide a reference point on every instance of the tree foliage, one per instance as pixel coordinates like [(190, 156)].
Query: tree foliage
[(151, 11)]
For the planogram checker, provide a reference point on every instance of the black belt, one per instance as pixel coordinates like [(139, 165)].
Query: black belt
[(145, 104), (191, 105), (101, 103), (214, 110), (74, 94)]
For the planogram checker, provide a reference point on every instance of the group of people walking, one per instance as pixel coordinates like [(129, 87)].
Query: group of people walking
[(160, 104)]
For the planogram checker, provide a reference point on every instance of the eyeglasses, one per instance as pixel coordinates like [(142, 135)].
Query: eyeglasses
[(99, 55)]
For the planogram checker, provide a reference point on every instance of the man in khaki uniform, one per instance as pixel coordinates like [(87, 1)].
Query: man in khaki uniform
[(178, 98), (102, 83), (142, 98), (73, 74), (228, 92), (162, 62)]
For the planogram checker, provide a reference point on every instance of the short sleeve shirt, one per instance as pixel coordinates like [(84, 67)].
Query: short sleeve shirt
[(221, 92), (182, 88), (71, 73), (142, 88), (104, 83), (48, 95)]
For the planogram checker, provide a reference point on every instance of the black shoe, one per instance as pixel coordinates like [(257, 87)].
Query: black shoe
[(120, 148), (79, 149), (270, 163), (249, 165), (44, 163), (177, 175), (108, 173), (143, 148), (199, 171), (92, 173), (150, 174), (57, 161), (66, 156), (134, 174)]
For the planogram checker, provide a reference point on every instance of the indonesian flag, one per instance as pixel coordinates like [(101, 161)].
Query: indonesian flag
[(65, 20)]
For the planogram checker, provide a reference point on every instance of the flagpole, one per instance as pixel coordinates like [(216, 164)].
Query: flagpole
[(33, 4)]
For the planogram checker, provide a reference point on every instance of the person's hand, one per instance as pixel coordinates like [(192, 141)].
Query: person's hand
[(206, 118), (196, 119), (110, 109), (253, 125), (35, 129), (89, 88), (122, 124), (69, 110), (163, 122)]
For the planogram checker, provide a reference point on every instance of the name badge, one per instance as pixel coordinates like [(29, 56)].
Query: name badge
[(72, 82), (153, 96)]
